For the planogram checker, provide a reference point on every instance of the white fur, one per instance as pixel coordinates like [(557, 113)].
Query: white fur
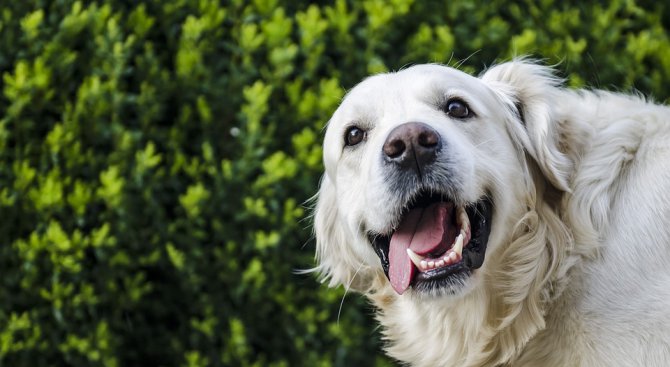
[(577, 270)]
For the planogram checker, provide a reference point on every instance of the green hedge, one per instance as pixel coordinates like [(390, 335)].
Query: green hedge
[(157, 158)]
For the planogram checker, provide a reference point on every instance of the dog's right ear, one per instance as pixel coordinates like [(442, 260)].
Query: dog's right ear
[(529, 90), (334, 257)]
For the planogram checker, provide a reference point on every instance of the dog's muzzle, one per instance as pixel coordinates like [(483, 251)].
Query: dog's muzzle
[(437, 240)]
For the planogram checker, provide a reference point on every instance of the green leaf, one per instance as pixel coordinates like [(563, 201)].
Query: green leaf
[(176, 257)]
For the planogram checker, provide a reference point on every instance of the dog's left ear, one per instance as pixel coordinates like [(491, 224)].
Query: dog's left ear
[(530, 90), (336, 262)]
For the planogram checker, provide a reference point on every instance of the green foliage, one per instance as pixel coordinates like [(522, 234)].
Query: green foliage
[(158, 155)]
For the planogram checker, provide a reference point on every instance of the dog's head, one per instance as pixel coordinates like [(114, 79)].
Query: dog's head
[(427, 170)]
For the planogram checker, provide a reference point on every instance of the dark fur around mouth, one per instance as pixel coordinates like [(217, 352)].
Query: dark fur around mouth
[(480, 214)]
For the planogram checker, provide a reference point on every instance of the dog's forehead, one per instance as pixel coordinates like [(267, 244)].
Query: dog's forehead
[(403, 91), (420, 81), (423, 86)]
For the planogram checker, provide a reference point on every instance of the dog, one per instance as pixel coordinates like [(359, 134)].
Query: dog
[(500, 220)]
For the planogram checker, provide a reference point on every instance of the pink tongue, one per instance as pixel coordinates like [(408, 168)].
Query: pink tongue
[(422, 230)]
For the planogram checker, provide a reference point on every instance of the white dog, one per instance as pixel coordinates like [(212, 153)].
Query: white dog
[(501, 220)]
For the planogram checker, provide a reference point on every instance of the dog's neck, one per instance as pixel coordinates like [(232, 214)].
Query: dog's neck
[(463, 332), (429, 332)]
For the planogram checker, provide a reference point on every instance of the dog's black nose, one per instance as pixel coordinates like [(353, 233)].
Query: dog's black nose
[(412, 145)]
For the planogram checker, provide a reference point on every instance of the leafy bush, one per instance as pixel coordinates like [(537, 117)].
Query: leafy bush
[(157, 156)]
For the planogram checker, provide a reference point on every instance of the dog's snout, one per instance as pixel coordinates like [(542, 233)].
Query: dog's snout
[(412, 145)]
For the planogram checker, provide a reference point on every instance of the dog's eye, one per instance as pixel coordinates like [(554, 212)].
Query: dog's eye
[(354, 135), (457, 108)]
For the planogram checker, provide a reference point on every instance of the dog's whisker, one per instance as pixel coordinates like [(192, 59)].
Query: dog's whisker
[(346, 291), (451, 57), (483, 143), (463, 61)]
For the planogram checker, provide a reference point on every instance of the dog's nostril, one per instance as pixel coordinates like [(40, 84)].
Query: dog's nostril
[(428, 139), (394, 148)]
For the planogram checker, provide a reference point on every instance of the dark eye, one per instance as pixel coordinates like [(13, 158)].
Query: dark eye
[(457, 108), (354, 135)]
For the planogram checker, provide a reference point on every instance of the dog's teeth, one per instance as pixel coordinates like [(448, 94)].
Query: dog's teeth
[(451, 257), (417, 259), (462, 218), (458, 245)]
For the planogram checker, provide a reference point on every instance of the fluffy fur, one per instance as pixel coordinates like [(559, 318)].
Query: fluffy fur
[(577, 272)]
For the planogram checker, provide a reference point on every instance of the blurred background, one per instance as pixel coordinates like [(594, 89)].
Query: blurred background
[(157, 158)]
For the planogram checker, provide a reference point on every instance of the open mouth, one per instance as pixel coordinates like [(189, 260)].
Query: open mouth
[(437, 243)]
